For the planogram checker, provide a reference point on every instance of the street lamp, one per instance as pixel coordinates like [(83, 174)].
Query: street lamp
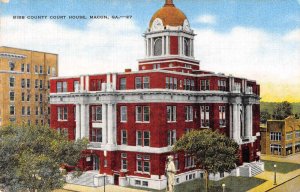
[(104, 181), (223, 186), (275, 174)]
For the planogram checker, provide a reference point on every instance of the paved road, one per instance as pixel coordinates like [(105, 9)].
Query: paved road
[(290, 186)]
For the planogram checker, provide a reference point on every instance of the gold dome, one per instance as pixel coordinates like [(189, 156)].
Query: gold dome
[(169, 15)]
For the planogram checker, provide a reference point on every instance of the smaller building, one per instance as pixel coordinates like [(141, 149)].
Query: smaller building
[(281, 137)]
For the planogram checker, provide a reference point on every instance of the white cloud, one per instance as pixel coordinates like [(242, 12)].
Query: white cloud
[(293, 36), (207, 19), (103, 46), (4, 1)]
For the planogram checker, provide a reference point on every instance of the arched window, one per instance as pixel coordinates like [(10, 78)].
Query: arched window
[(186, 47), (157, 47)]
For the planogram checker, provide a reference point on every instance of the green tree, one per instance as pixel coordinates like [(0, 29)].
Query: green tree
[(282, 110), (32, 155), (264, 116), (213, 152)]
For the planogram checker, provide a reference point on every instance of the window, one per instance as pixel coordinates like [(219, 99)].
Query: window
[(23, 96), (62, 113), (28, 97), (123, 137), (297, 134), (186, 47), (171, 83), (36, 83), (146, 83), (137, 182), (41, 69), (23, 110), (76, 86), (275, 136), (143, 138), (189, 161), (192, 85), (145, 183), (11, 96), (156, 66), (188, 113), (157, 47), (53, 71), (22, 67), (11, 82), (204, 116), (28, 68), (36, 97), (97, 113), (204, 85), (36, 69), (275, 149), (63, 131), (48, 84), (171, 137), (138, 83), (96, 135), (222, 85), (48, 70), (42, 110), (36, 110), (41, 84), (289, 136), (11, 66), (143, 163), (41, 97), (123, 114), (123, 84), (123, 161), (171, 113), (175, 83), (65, 87), (23, 83), (288, 148), (142, 113), (28, 83), (12, 110), (237, 87), (59, 87), (222, 116), (28, 110)]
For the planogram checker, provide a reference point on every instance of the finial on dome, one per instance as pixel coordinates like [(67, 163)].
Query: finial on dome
[(169, 3)]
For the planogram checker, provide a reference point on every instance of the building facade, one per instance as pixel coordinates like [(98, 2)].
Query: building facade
[(24, 85), (132, 119), (281, 137)]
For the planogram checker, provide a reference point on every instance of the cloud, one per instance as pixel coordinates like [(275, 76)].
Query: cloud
[(4, 1), (293, 36), (103, 46), (252, 53), (207, 19)]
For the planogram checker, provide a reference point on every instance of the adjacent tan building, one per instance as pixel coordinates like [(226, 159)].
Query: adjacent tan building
[(24, 85), (281, 137)]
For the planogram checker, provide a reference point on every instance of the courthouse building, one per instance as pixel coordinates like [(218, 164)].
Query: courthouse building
[(24, 85), (133, 118)]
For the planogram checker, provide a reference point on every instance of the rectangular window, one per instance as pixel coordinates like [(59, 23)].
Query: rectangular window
[(146, 83), (36, 69), (28, 83), (11, 66), (11, 96), (138, 114), (59, 87), (36, 84), (171, 137), (189, 161), (297, 134), (204, 85), (123, 163), (222, 116), (36, 97), (97, 113), (146, 113), (123, 113), (171, 83), (41, 97), (41, 110), (23, 83), (123, 137), (204, 116), (146, 138), (96, 135), (41, 69), (275, 149), (222, 85), (23, 96), (188, 84), (192, 85), (28, 111), (175, 83), (138, 83), (22, 67), (41, 84), (76, 86), (143, 163), (275, 136), (62, 113), (12, 110), (23, 110), (36, 110), (65, 87), (289, 136), (28, 68), (28, 97), (143, 138), (171, 113), (123, 84), (167, 83), (139, 138), (48, 70), (11, 82), (188, 113)]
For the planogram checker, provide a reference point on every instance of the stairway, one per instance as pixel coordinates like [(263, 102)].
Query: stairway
[(255, 168), (86, 179)]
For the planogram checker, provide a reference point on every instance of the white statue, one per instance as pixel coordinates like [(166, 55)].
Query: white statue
[(170, 173)]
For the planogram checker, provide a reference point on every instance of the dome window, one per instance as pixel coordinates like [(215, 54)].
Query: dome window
[(158, 47)]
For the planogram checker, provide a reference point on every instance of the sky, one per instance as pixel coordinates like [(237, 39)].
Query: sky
[(256, 39)]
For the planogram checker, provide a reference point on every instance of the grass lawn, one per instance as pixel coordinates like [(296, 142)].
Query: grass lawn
[(282, 167), (233, 184)]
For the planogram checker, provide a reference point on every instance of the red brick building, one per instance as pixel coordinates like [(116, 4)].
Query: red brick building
[(132, 119)]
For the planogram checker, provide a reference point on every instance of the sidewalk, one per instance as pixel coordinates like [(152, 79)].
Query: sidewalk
[(289, 159), (108, 188), (269, 176)]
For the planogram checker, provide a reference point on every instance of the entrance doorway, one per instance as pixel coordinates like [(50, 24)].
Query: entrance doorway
[(96, 162), (246, 154), (116, 179)]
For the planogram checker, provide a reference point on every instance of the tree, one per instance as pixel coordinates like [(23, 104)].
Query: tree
[(264, 116), (213, 151), (32, 155), (282, 110)]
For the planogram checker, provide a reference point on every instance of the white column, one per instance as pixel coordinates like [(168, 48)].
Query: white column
[(247, 121), (251, 121), (238, 121), (78, 122), (81, 83), (110, 124), (230, 122), (87, 83), (104, 124), (179, 45), (87, 121), (163, 45), (114, 81), (191, 48), (151, 46), (167, 45), (83, 120), (234, 121), (108, 82), (183, 47), (146, 50)]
